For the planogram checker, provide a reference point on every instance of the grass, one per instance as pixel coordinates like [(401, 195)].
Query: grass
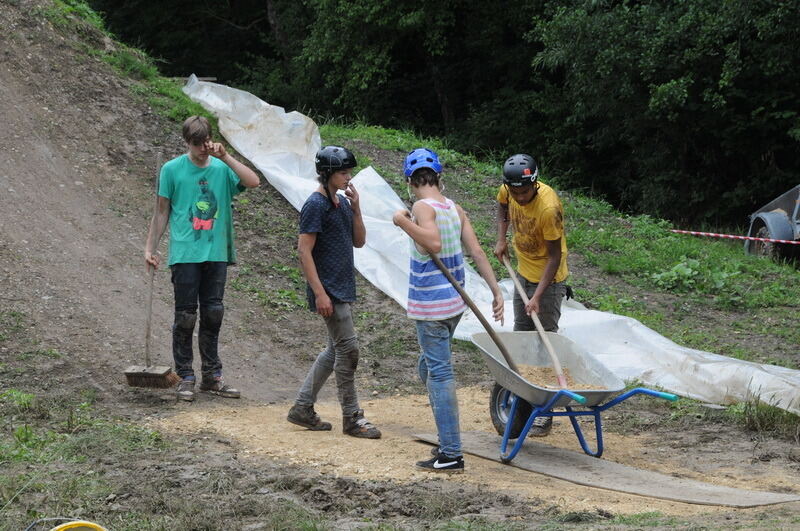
[(765, 419), (642, 251), (11, 323)]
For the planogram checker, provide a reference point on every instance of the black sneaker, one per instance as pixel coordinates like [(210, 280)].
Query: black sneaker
[(541, 426), (442, 463)]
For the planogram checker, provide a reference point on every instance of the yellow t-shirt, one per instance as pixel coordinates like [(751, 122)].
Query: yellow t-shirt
[(541, 219)]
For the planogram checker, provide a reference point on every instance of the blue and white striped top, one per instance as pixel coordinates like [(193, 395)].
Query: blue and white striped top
[(431, 297)]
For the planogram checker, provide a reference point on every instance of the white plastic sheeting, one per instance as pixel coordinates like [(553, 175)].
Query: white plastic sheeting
[(282, 146)]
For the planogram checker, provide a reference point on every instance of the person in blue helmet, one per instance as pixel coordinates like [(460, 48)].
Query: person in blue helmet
[(438, 225), (330, 226)]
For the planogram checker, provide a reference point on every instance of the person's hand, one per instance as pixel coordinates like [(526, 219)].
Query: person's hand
[(399, 215), (533, 305), (501, 249), (352, 195), (151, 260), (498, 308), (216, 149), (324, 305)]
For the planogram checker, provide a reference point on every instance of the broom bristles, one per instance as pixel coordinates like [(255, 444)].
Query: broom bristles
[(151, 377)]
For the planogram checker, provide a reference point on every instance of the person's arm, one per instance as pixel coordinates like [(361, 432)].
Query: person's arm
[(305, 244), (470, 241), (501, 246), (424, 232), (551, 267), (246, 176), (359, 230), (158, 224)]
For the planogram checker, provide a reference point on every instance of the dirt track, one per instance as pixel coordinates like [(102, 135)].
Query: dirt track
[(79, 156)]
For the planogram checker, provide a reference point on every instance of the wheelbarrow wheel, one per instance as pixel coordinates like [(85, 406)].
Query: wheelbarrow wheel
[(500, 407)]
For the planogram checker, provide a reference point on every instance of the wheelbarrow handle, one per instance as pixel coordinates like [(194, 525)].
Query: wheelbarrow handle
[(489, 330)]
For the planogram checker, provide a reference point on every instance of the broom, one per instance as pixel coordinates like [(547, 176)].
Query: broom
[(151, 376)]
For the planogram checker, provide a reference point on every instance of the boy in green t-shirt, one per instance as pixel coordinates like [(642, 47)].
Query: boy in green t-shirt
[(194, 196)]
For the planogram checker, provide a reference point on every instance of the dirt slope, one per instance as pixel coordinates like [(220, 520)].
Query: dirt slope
[(79, 154)]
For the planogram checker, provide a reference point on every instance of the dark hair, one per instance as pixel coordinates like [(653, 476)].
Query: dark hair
[(196, 129), (424, 176)]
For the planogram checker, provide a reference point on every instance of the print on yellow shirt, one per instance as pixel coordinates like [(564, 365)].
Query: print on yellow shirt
[(541, 219)]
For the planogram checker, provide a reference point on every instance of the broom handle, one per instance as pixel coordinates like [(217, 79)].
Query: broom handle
[(562, 381), (152, 271), (149, 316), (476, 311)]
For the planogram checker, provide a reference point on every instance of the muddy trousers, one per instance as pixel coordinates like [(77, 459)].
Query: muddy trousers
[(549, 307), (202, 283), (340, 357), (436, 372)]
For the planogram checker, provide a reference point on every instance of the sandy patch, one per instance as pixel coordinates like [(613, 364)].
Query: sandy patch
[(263, 430)]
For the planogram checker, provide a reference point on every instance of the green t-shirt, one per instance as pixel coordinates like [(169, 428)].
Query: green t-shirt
[(200, 220)]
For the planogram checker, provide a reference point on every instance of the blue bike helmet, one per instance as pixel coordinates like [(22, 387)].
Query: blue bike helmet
[(421, 158)]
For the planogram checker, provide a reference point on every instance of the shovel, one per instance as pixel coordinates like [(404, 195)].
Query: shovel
[(562, 380), (489, 330)]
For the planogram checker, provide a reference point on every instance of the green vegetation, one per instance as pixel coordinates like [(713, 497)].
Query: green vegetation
[(703, 125), (755, 415)]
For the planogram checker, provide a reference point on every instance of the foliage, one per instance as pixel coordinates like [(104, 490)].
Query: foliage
[(685, 110)]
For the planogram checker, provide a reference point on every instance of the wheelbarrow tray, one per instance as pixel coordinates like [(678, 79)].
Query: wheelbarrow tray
[(526, 348)]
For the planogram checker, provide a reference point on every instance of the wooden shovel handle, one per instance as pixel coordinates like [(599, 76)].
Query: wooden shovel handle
[(562, 381), (476, 311)]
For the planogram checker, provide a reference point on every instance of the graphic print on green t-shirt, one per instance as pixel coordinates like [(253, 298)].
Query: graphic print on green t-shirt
[(204, 211)]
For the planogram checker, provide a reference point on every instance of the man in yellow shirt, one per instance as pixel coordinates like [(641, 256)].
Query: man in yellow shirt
[(535, 212)]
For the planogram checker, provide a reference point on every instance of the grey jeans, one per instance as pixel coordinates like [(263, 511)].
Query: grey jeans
[(549, 306), (340, 357)]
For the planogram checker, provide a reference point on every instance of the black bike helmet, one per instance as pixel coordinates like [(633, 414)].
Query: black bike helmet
[(334, 158), (520, 170)]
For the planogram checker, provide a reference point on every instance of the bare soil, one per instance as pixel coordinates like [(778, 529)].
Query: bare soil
[(79, 153)]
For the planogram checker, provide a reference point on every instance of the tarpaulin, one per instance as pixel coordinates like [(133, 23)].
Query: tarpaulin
[(282, 146)]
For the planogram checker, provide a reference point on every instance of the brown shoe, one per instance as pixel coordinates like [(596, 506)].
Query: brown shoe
[(357, 426), (306, 417), (218, 386), (541, 426), (185, 390)]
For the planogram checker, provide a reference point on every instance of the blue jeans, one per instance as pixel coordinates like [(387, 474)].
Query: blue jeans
[(193, 283), (436, 372), (339, 357)]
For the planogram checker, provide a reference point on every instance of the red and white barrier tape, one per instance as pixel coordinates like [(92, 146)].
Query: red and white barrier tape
[(734, 237)]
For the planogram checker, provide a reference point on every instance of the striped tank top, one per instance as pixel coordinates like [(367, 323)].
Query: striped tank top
[(431, 297)]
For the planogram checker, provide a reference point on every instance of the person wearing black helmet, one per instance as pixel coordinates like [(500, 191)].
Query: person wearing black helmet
[(330, 226), (535, 212)]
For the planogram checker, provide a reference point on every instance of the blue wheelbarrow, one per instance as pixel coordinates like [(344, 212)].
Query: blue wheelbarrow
[(515, 402)]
